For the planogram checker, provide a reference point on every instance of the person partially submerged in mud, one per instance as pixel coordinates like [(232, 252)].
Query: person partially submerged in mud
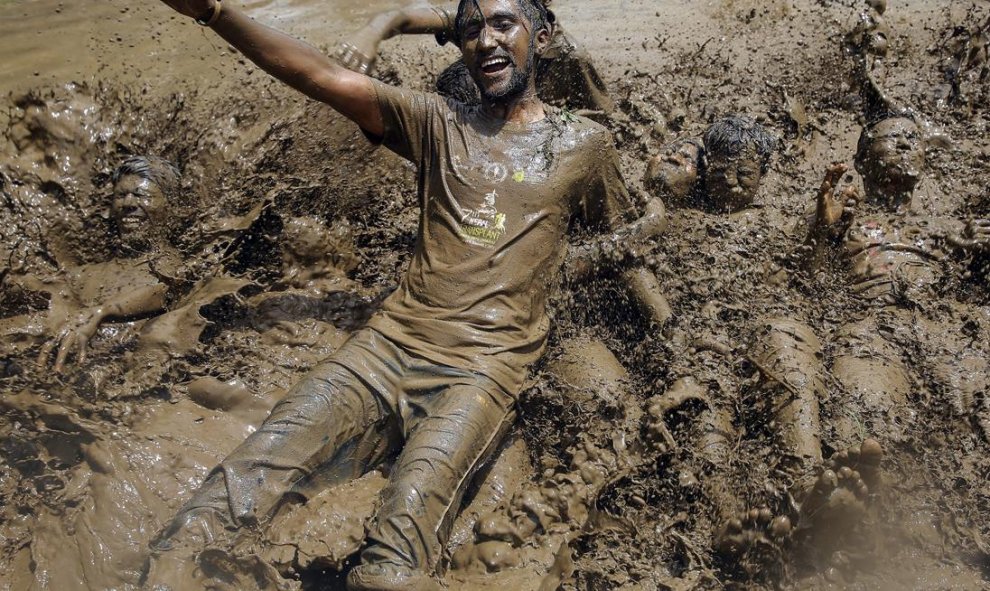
[(433, 377), (128, 286), (565, 73), (896, 259), (720, 172)]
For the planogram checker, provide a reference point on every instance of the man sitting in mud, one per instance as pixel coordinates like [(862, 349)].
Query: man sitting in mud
[(565, 74), (434, 375), (722, 172), (127, 287)]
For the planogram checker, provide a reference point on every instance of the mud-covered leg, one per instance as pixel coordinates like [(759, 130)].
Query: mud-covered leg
[(321, 415), (874, 385), (789, 358), (462, 427)]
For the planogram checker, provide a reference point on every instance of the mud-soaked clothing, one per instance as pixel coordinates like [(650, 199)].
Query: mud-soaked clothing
[(497, 200), (565, 74), (436, 372), (892, 258), (367, 402)]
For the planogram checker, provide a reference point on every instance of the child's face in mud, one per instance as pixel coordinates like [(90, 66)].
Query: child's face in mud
[(138, 204), (498, 48), (732, 182), (674, 171), (894, 157)]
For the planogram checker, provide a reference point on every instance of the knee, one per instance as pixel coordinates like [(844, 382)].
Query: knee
[(788, 352), (316, 396), (787, 342)]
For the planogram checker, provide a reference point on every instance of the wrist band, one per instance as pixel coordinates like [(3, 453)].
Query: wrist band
[(213, 16)]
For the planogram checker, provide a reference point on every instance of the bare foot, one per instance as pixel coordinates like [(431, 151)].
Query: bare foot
[(845, 484), (753, 540), (835, 505)]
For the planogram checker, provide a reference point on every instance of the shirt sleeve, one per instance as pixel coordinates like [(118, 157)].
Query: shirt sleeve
[(408, 117), (606, 204)]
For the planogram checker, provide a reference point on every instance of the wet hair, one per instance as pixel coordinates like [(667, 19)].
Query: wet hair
[(455, 82), (535, 11), (729, 136), (152, 168)]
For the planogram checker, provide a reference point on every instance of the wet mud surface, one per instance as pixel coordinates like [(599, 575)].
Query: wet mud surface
[(807, 417)]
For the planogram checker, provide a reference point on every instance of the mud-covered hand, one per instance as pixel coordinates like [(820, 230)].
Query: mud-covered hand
[(831, 208), (974, 236), (197, 9), (360, 52), (73, 336)]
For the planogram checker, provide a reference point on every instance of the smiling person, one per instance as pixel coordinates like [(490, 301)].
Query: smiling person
[(126, 287), (565, 74), (432, 379)]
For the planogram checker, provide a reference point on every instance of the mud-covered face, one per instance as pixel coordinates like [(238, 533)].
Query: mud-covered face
[(732, 182), (894, 156), (674, 171), (499, 47), (138, 204)]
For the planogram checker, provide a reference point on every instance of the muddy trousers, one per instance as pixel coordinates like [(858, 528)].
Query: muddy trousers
[(366, 402)]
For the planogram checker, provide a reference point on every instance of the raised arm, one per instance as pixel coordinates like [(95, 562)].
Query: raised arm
[(295, 63), (361, 50), (833, 213)]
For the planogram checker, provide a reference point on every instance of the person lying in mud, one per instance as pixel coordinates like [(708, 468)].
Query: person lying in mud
[(721, 172), (565, 73), (433, 377), (127, 287), (896, 259)]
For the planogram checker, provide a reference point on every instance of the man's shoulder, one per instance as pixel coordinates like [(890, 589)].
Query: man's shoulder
[(582, 130), (390, 93)]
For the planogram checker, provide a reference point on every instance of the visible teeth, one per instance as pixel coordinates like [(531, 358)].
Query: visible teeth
[(494, 61)]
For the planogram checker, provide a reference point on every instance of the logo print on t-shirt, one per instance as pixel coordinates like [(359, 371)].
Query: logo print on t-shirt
[(483, 226)]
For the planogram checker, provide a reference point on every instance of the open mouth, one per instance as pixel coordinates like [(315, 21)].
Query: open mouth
[(132, 219), (495, 64)]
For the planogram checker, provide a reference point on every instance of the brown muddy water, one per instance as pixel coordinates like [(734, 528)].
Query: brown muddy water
[(793, 425)]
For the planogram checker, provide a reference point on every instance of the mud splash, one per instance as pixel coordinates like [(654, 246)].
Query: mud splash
[(640, 440)]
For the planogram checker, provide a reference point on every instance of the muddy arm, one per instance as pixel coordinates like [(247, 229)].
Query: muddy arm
[(833, 214), (646, 292), (974, 236), (295, 63), (641, 283), (361, 50), (75, 334)]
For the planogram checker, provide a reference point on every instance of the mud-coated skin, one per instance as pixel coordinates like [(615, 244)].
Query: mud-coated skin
[(369, 400), (789, 358), (566, 76)]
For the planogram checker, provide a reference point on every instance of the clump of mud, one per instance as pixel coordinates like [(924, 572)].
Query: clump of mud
[(637, 445)]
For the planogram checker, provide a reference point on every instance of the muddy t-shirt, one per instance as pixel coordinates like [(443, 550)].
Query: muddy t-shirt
[(496, 201)]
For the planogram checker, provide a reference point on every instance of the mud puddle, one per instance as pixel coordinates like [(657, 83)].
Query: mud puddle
[(645, 457)]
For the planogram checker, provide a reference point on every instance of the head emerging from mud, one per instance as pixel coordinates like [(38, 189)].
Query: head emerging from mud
[(143, 189), (500, 41), (737, 155), (890, 156), (672, 174)]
